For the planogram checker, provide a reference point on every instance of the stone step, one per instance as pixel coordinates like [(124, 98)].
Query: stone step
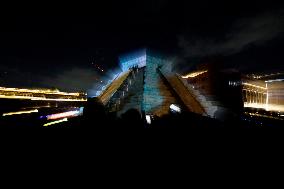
[(209, 102), (133, 99)]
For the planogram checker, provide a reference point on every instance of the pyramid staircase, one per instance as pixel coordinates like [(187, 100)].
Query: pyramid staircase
[(129, 95), (110, 90), (210, 103), (188, 99)]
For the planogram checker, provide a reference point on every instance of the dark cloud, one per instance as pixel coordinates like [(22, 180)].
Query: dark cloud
[(75, 79), (243, 33), (56, 50), (70, 80), (14, 77)]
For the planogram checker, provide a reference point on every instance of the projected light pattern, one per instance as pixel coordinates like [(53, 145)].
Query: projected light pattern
[(152, 95), (156, 97), (113, 87), (133, 59), (104, 87)]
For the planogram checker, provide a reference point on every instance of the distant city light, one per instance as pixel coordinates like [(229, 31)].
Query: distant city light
[(55, 122), (20, 112)]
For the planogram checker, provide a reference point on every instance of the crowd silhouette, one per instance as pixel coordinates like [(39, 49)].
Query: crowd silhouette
[(95, 116)]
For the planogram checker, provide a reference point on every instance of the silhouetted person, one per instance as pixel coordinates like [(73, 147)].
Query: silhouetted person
[(94, 114), (132, 119)]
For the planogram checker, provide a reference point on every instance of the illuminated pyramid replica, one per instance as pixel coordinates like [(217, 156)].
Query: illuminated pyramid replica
[(147, 84)]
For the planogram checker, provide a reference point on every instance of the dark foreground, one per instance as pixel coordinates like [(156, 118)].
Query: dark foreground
[(134, 120), (95, 117)]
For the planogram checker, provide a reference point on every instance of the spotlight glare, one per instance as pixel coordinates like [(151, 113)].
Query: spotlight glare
[(148, 119), (175, 108)]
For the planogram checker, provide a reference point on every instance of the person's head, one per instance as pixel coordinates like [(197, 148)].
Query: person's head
[(94, 108), (132, 117)]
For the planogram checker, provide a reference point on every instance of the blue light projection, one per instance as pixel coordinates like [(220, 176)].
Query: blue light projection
[(152, 95), (99, 87), (156, 98), (133, 59)]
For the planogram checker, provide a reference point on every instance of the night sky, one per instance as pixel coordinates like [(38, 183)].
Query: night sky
[(62, 46)]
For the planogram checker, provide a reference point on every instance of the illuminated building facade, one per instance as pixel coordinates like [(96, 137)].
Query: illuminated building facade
[(13, 99), (264, 91), (40, 94)]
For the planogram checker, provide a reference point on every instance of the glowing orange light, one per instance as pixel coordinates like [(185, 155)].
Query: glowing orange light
[(38, 91), (20, 112), (42, 98), (251, 85), (60, 99), (194, 74), (40, 94), (55, 122), (268, 107)]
